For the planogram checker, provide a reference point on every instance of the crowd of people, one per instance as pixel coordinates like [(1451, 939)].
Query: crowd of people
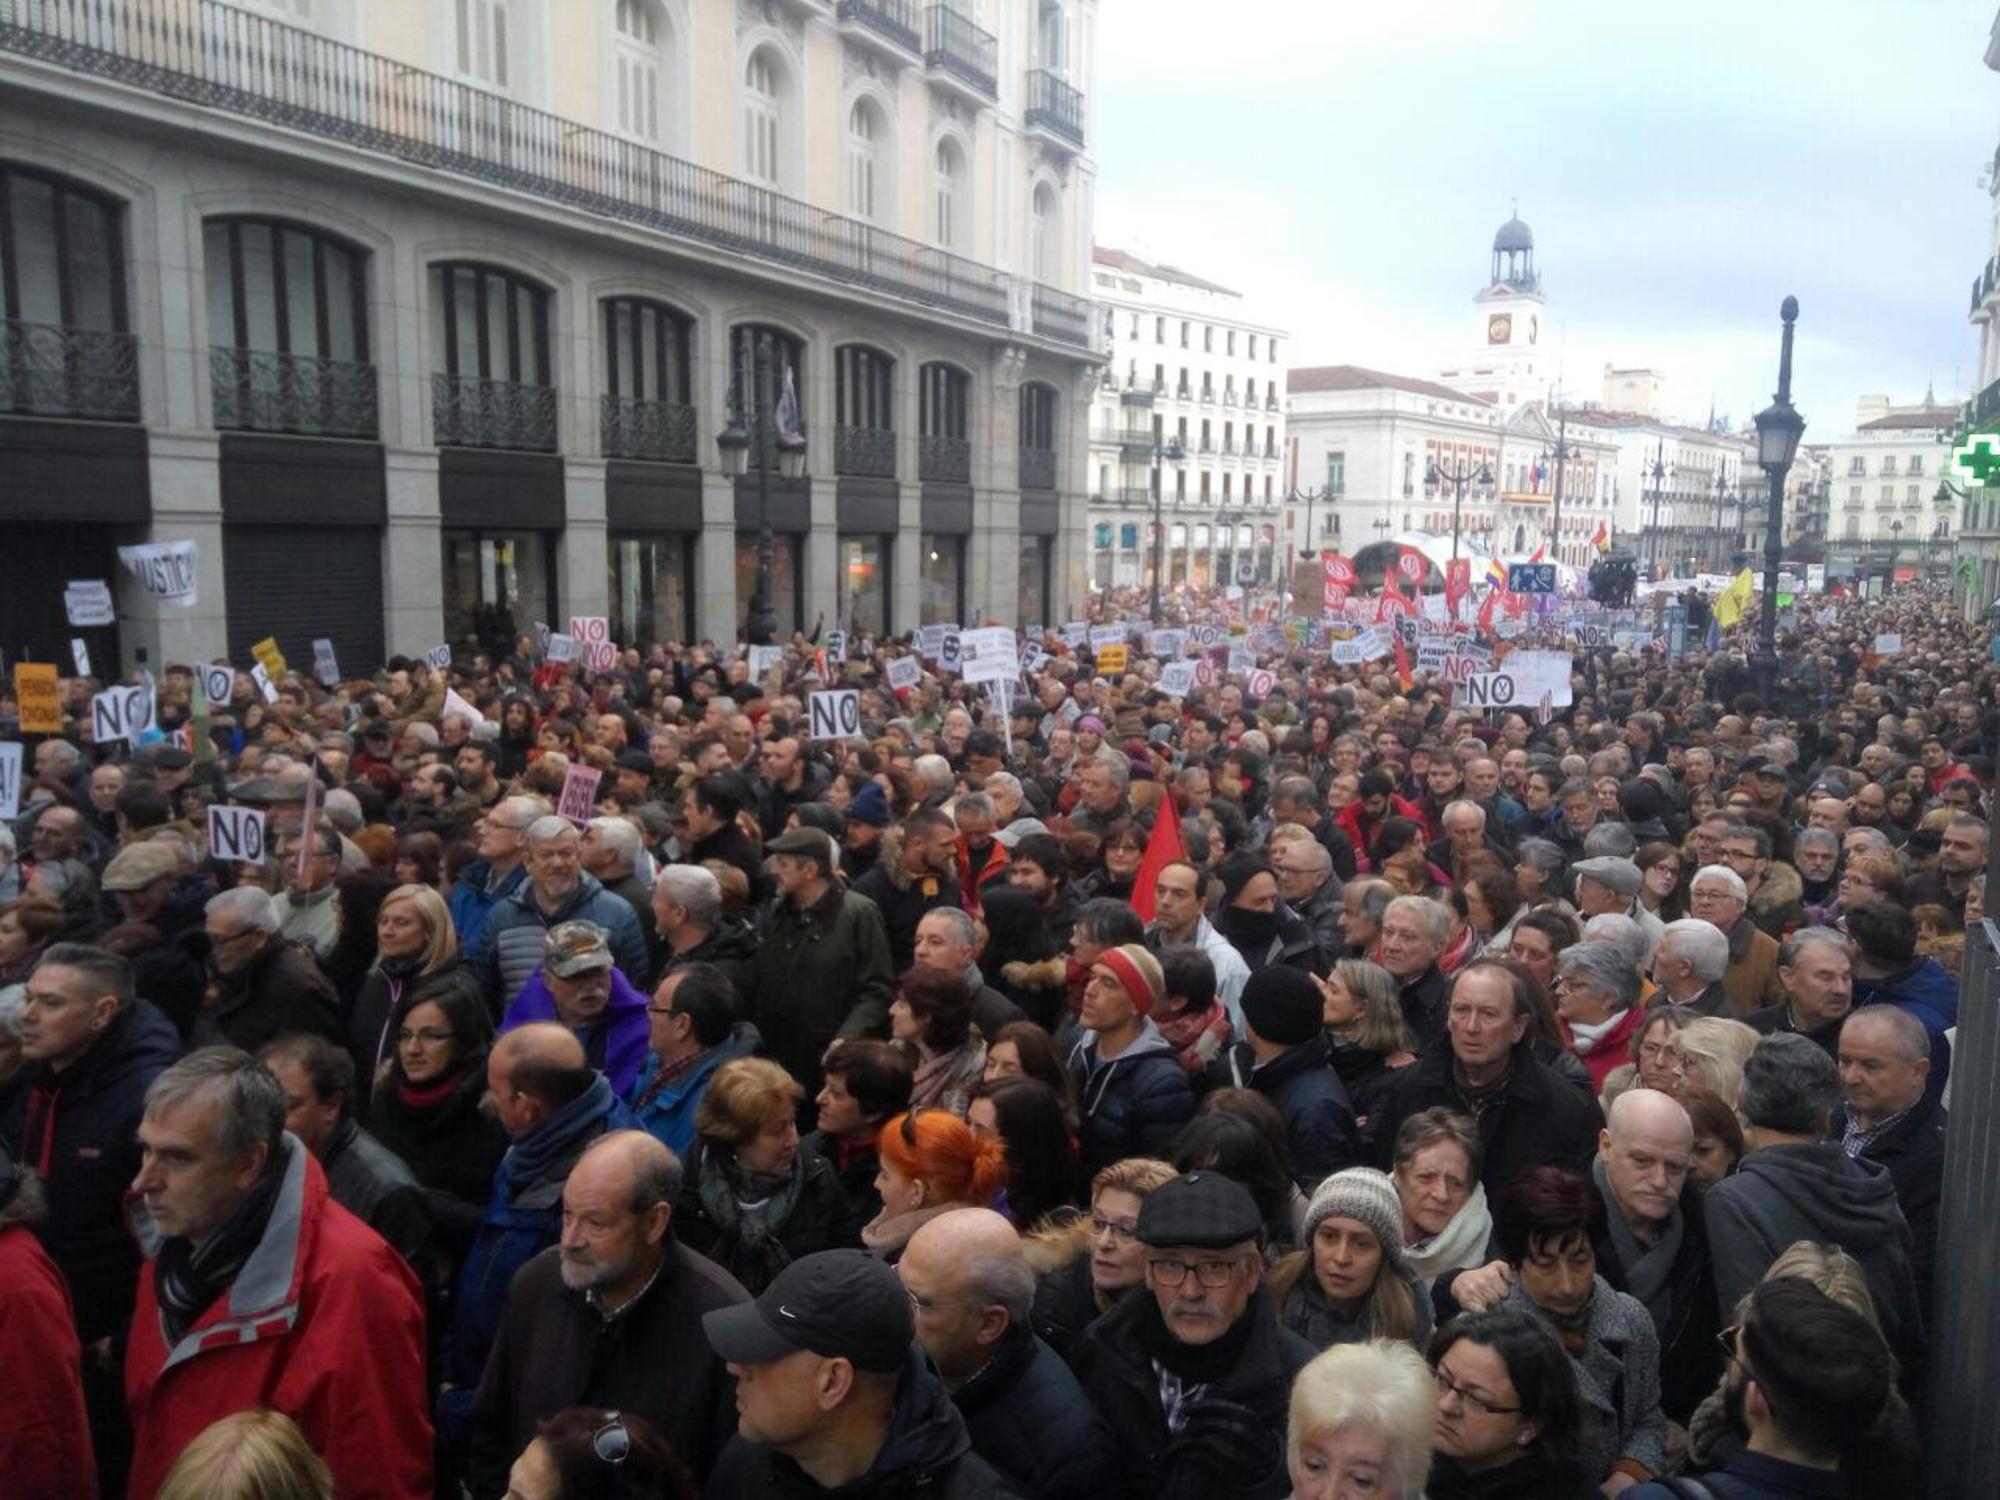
[(1076, 1090)]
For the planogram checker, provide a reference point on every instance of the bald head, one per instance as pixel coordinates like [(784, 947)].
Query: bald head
[(1649, 1113), (634, 1165), (1644, 1148), (970, 1285), (532, 1072), (542, 1043)]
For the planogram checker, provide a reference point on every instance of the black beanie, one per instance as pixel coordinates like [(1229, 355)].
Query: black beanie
[(1283, 1005)]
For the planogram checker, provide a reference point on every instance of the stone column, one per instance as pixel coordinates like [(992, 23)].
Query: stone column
[(822, 566), (185, 474), (993, 555), (715, 604), (906, 561), (582, 563), (412, 553)]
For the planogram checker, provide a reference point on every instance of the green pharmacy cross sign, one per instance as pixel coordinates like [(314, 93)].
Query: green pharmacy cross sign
[(1978, 458)]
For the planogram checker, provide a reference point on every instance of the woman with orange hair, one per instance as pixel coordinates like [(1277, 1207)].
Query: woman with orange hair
[(931, 1161)]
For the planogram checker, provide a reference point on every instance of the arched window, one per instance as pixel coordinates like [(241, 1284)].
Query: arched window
[(948, 192), (64, 348), (480, 42), (490, 385), (1037, 437), (763, 117), (636, 60), (1042, 214), (863, 157), (944, 397)]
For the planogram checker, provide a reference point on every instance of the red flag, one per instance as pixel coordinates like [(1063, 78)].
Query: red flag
[(1393, 600), (1457, 583), (1539, 553), (1163, 848), (1403, 674)]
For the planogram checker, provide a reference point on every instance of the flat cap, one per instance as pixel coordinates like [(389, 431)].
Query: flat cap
[(1202, 1210)]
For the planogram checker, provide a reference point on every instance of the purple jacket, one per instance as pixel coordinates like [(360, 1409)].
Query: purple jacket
[(625, 1018)]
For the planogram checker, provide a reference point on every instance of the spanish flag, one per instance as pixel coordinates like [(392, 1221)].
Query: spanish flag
[(1602, 541), (1733, 603)]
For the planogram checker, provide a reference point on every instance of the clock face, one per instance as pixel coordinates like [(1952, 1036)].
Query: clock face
[(1499, 328), (1534, 328)]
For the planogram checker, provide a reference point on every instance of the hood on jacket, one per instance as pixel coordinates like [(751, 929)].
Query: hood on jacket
[(1925, 989), (626, 1029), (744, 1040), (732, 937), (1853, 1209), (1780, 888), (523, 896), (141, 1040), (926, 1432)]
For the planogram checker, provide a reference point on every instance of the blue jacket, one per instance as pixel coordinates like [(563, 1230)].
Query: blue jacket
[(1929, 992), (509, 950), (669, 1115), (475, 896), (1319, 1117), (1133, 1105), (617, 1044)]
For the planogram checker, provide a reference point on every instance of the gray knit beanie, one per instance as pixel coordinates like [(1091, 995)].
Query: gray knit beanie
[(1369, 1198)]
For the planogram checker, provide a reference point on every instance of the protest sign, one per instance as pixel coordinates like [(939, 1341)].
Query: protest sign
[(905, 672), (1889, 643), (87, 602), (267, 652), (80, 653), (1074, 633), (1108, 635), (951, 650), (325, 667), (237, 834), (763, 658), (10, 780), (1167, 645), (601, 656), (1177, 679), (35, 691), (263, 680), (836, 646), (166, 570), (1539, 672), (438, 658), (989, 654), (542, 634), (591, 630), (1111, 659), (456, 707), (122, 714), (578, 801), (218, 683), (834, 716), (1242, 659), (561, 647), (1259, 684)]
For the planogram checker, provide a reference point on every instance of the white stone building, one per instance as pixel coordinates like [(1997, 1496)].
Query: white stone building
[(422, 319), (1192, 374), (1680, 490), (1887, 508), (1978, 514), (1508, 365)]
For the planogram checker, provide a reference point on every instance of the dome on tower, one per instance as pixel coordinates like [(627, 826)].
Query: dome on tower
[(1513, 235)]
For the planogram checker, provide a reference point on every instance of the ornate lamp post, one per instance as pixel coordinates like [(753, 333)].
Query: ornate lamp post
[(1779, 428), (735, 442), (1175, 454), (1458, 478)]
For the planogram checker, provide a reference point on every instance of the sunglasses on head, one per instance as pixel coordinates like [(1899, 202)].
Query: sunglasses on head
[(612, 1444), (910, 1124)]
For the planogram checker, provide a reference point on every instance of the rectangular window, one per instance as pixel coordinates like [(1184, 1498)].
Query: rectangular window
[(1231, 342), (1204, 487), (1888, 466), (1184, 333), (1915, 466), (1336, 473), (1180, 485), (1225, 488), (1159, 330), (1253, 346), (1208, 338)]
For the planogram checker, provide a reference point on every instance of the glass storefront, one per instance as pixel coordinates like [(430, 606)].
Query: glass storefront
[(943, 593), (787, 578), (497, 585), (864, 583), (652, 588), (1033, 605)]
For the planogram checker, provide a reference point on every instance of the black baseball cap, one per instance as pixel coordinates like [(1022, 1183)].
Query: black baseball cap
[(840, 1304)]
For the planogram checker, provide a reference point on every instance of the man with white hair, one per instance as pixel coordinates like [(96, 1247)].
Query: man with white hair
[(499, 869), (687, 908), (615, 852), (1719, 896), (264, 986), (557, 890), (1688, 964), (1413, 935)]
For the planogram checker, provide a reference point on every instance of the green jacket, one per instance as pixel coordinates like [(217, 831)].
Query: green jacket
[(821, 973)]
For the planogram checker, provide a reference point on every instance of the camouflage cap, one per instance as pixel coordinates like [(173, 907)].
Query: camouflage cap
[(574, 948)]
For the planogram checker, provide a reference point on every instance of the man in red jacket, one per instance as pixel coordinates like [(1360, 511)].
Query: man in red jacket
[(261, 1291), (44, 1435)]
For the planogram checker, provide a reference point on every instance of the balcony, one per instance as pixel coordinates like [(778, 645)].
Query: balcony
[(1271, 403), (468, 412), (865, 452), (1208, 395), (1129, 495), (944, 460), (887, 28), (260, 390), (1038, 468), (656, 431), (1054, 108), (1136, 447), (1982, 284), (1138, 393), (214, 56), (1983, 407), (47, 370), (962, 59)]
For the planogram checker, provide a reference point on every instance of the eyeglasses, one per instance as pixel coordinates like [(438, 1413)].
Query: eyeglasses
[(1726, 1341), (1210, 1273), (612, 1444), (1473, 1402), (661, 1010), (427, 1036), (1124, 1231)]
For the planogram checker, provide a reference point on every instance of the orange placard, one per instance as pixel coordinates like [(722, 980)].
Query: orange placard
[(1111, 658), (35, 689)]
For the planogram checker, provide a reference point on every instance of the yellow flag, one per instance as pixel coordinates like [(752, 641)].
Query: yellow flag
[(1734, 602)]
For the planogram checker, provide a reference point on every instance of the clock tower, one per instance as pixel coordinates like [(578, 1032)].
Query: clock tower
[(1508, 365)]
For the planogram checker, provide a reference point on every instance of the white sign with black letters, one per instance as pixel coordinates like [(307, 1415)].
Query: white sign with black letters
[(121, 714), (87, 602), (1177, 679), (236, 834), (10, 780), (836, 715), (905, 672)]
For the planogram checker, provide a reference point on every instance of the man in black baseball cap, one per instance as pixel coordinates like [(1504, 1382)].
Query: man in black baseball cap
[(1194, 1376), (833, 1394)]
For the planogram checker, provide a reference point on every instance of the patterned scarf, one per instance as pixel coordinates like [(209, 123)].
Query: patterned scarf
[(188, 1277)]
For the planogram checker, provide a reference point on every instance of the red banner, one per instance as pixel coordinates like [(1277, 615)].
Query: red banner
[(1412, 564), (1457, 583)]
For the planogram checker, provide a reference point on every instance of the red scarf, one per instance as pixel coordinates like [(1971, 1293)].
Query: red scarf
[(428, 1096), (1198, 1038)]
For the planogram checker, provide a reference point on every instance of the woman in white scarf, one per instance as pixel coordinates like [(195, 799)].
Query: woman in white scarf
[(1445, 1223)]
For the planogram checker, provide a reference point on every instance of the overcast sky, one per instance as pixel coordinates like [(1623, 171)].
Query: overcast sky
[(1683, 166)]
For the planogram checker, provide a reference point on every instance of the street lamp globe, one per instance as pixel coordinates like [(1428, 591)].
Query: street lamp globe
[(1779, 428), (734, 445), (791, 454)]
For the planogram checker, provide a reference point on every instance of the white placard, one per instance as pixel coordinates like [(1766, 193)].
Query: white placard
[(87, 602), (1177, 679), (561, 647), (1074, 633), (836, 645), (1205, 635), (264, 684), (578, 801), (10, 780), (951, 650), (835, 715), (1242, 659), (590, 629), (218, 683), (121, 714), (325, 667), (81, 654), (763, 658), (1483, 690), (1889, 643), (237, 834), (166, 570), (1107, 635), (601, 656), (930, 638), (989, 654), (542, 634), (905, 672), (456, 707), (1348, 653), (438, 658), (1167, 645), (1033, 658), (1259, 684), (1432, 607), (1827, 615), (1539, 672)]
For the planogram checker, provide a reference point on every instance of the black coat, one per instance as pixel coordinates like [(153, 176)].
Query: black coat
[(281, 989), (732, 947), (817, 1220), (1424, 1000), (903, 903), (927, 1454), (1529, 1477), (1690, 1358), (1133, 1105), (375, 1185), (91, 1161), (1030, 1420), (1065, 1305), (856, 1175), (554, 1351), (452, 1149), (368, 1034), (1366, 1077), (1913, 1151), (1320, 1134), (1541, 1120), (733, 846), (1115, 1366)]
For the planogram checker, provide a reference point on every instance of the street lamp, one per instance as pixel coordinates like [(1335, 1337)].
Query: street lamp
[(1175, 454), (1721, 494), (1895, 546), (1458, 478), (1562, 453), (1311, 548), (1657, 472), (735, 443), (1779, 428)]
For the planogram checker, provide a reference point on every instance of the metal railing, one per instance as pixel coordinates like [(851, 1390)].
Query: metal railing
[(468, 412), (1038, 468), (212, 54), (895, 20), (47, 370), (944, 460), (868, 452), (1983, 407), (1055, 106), (958, 46), (262, 390), (657, 431)]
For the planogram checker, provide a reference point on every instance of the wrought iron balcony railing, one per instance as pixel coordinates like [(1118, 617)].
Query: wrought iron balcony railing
[(47, 370), (657, 431), (214, 55), (1054, 106), (893, 20), (867, 452), (959, 47), (468, 412), (262, 390), (944, 460), (1038, 468)]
